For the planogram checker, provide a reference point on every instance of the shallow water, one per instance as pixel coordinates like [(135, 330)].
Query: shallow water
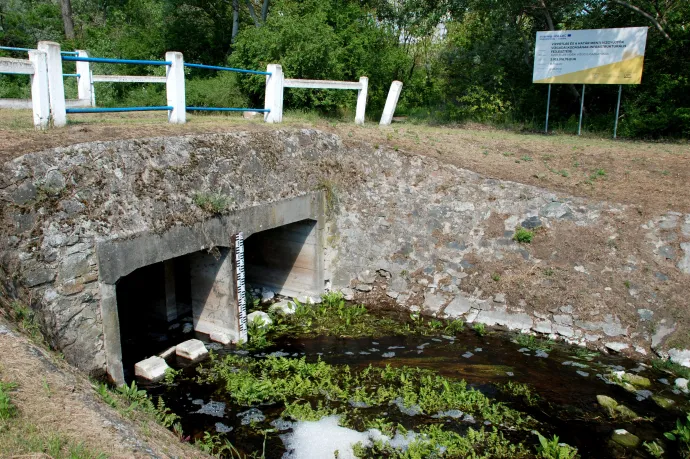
[(567, 385)]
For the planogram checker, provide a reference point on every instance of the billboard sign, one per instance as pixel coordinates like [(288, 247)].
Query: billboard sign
[(597, 56)]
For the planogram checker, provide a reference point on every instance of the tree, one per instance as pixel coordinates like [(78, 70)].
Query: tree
[(67, 20)]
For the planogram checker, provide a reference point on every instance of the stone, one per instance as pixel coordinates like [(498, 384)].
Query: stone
[(554, 210), (267, 295), (517, 321), (543, 326), (192, 349), (500, 298), (54, 182), (568, 309), (531, 223), (682, 384), (259, 319), (187, 328), (364, 288), (433, 302), (38, 276), (663, 402), (662, 331), (645, 314), (24, 193), (608, 403), (616, 346), (392, 294), (636, 380), (219, 337), (458, 307), (625, 438), (563, 319), (284, 307), (367, 277), (152, 369), (625, 412), (661, 276), (684, 263), (71, 287), (667, 252), (348, 294), (73, 266), (680, 356)]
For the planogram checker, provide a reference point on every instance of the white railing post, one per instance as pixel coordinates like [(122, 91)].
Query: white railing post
[(84, 85), (174, 87), (56, 88), (274, 94), (40, 102), (362, 100), (391, 102)]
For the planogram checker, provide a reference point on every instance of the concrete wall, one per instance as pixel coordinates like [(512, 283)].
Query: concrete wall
[(410, 230)]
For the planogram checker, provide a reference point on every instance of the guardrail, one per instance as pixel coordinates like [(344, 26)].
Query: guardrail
[(37, 69), (45, 66), (277, 82)]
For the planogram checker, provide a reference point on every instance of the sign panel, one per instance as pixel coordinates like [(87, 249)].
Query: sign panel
[(597, 56)]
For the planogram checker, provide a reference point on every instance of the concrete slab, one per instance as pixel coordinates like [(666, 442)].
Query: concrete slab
[(191, 349), (219, 337), (152, 368)]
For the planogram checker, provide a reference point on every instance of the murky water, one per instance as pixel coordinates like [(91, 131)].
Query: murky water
[(567, 384)]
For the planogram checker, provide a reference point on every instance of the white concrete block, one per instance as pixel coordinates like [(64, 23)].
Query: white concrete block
[(261, 316), (175, 88), (283, 307), (274, 94), (84, 83), (220, 337), (56, 86), (191, 349), (152, 368), (167, 353), (362, 100), (391, 103), (40, 99)]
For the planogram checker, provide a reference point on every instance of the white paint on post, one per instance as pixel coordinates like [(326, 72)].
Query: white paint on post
[(362, 100), (391, 103), (274, 94), (56, 87), (40, 99), (84, 84), (174, 87)]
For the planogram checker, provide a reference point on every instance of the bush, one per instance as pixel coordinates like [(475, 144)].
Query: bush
[(523, 235)]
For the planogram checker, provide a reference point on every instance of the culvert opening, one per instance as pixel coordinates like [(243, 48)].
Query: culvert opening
[(154, 303), (285, 259)]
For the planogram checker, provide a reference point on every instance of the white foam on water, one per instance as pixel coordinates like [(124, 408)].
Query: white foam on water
[(321, 439)]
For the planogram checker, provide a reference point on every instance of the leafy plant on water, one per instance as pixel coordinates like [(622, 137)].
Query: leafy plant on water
[(480, 329), (257, 331), (552, 449), (435, 324), (653, 448), (582, 353), (520, 390), (523, 235), (533, 343), (170, 375), (666, 365), (681, 434), (216, 446)]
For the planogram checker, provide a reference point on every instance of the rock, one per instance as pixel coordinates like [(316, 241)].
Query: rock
[(259, 318), (309, 299), (187, 328), (684, 263), (500, 298), (645, 314), (73, 266), (555, 210), (568, 309), (191, 349), (682, 384), (219, 337), (367, 277), (284, 307), (662, 331), (680, 356), (54, 183), (458, 307), (152, 369), (38, 276), (364, 288), (667, 252), (433, 302), (542, 326), (267, 295), (636, 380), (608, 403), (24, 193), (625, 438), (625, 412), (531, 223), (348, 294), (663, 402), (392, 294), (580, 269), (563, 319), (615, 346)]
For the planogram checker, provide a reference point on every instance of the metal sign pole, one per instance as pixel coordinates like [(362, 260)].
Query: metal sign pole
[(618, 108), (582, 106), (548, 104)]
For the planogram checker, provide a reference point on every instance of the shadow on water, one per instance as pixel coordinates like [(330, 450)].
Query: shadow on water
[(567, 385)]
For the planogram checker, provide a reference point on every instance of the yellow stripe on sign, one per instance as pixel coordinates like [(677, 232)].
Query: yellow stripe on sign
[(625, 72)]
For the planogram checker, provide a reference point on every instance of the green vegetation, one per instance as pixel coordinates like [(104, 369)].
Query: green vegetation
[(214, 203), (552, 449), (130, 400), (480, 329), (533, 343), (673, 368), (653, 449), (523, 235), (681, 435), (496, 277), (7, 408), (479, 69), (521, 391)]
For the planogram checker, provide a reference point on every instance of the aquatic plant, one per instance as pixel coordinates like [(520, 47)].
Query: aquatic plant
[(552, 449), (257, 332), (520, 390), (480, 329), (217, 446), (533, 343), (669, 366), (455, 326), (170, 375), (681, 434), (653, 448), (582, 353)]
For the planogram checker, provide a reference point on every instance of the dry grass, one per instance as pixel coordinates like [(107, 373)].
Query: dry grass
[(651, 176)]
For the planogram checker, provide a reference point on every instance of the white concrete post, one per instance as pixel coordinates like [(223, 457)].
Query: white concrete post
[(391, 102), (362, 100), (40, 99), (84, 84), (93, 90), (274, 94), (174, 87), (56, 88)]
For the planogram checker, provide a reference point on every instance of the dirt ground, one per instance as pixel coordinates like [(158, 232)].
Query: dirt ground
[(651, 176), (57, 402)]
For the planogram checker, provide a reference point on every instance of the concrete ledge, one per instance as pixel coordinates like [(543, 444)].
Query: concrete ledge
[(152, 368), (192, 349)]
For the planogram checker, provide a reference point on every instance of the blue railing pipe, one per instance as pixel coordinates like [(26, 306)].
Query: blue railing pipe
[(226, 109), (227, 69), (114, 61), (118, 109)]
